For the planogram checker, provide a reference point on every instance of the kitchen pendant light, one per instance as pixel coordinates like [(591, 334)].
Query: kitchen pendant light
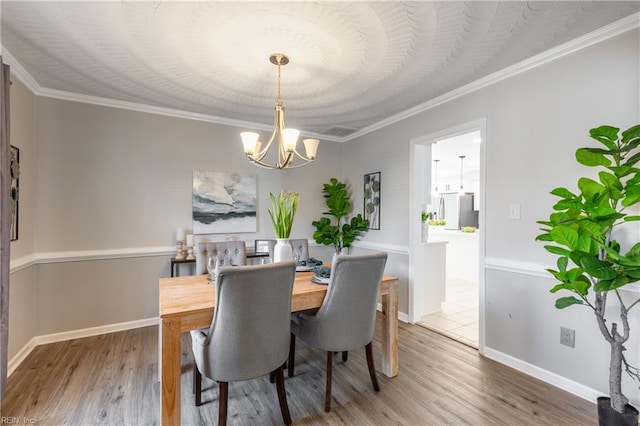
[(461, 192), (435, 192)]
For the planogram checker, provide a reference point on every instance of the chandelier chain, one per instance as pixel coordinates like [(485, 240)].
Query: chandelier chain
[(279, 97)]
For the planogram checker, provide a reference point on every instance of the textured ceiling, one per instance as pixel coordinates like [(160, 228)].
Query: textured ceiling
[(353, 64)]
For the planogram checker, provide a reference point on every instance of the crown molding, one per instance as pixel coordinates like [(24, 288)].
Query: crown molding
[(609, 31), (20, 72), (27, 79)]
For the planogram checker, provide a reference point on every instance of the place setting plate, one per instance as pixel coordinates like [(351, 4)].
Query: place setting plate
[(307, 265), (320, 280), (303, 268)]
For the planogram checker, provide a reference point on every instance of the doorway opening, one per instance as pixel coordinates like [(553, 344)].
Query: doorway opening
[(447, 181), (454, 215)]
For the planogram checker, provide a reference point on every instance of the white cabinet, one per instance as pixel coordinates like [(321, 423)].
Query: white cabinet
[(430, 279)]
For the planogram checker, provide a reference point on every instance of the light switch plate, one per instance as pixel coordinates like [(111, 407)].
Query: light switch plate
[(514, 211)]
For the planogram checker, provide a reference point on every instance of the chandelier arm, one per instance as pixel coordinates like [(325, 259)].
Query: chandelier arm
[(278, 166), (286, 161), (303, 157), (263, 152), (262, 164)]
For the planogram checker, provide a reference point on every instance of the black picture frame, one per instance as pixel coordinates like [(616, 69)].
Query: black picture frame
[(15, 190), (372, 185)]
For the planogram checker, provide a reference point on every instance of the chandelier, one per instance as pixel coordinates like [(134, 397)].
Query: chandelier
[(286, 139)]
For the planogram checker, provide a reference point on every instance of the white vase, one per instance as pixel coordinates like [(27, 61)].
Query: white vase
[(282, 251), (424, 232)]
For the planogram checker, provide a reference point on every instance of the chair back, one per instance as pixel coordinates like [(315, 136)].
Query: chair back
[(250, 332), (228, 252), (346, 319), (299, 247)]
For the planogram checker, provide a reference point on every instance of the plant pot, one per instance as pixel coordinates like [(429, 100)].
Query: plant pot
[(282, 251), (343, 250), (607, 416)]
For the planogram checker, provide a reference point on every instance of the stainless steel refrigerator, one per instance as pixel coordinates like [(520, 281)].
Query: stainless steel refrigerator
[(457, 210)]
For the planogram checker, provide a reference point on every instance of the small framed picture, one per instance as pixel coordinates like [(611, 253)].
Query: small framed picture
[(15, 190), (261, 246), (372, 199)]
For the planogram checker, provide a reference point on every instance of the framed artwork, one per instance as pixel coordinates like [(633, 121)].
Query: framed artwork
[(372, 199), (15, 190), (223, 202), (261, 246)]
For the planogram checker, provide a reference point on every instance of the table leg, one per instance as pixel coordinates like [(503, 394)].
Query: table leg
[(171, 372), (390, 331)]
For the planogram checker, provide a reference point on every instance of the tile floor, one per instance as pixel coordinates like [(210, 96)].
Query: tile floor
[(458, 318)]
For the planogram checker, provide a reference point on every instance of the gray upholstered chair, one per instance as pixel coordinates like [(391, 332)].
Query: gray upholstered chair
[(250, 331), (299, 247), (229, 252), (346, 319)]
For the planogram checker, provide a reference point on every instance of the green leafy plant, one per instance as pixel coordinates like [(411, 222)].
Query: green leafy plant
[(282, 211), (591, 264), (338, 231), (424, 216)]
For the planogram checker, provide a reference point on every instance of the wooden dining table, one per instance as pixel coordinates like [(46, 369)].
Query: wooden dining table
[(187, 303)]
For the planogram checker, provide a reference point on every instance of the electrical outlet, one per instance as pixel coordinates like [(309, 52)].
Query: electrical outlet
[(567, 337)]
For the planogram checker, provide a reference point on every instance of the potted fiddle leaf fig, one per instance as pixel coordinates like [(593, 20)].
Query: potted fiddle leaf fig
[(592, 266), (338, 231)]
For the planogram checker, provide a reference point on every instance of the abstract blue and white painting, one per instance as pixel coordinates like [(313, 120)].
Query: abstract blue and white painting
[(223, 202)]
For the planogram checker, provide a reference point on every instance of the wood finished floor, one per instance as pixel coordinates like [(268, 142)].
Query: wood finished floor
[(112, 379)]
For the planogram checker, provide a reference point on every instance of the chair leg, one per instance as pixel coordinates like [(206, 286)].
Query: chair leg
[(223, 396), (327, 395), (272, 375), (372, 369), (345, 356), (282, 395), (292, 354), (195, 375), (197, 385)]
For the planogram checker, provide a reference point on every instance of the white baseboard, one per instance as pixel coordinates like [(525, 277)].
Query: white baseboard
[(20, 356), (74, 334), (554, 379), (401, 315)]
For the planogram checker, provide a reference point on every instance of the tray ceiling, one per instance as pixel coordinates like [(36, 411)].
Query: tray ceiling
[(353, 64)]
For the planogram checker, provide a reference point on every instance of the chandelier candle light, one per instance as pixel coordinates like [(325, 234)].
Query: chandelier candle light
[(286, 139)]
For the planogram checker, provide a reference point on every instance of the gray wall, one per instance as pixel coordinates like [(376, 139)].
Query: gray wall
[(112, 181), (22, 286), (112, 178), (535, 122)]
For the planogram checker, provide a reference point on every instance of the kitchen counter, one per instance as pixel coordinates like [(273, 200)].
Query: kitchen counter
[(463, 252)]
